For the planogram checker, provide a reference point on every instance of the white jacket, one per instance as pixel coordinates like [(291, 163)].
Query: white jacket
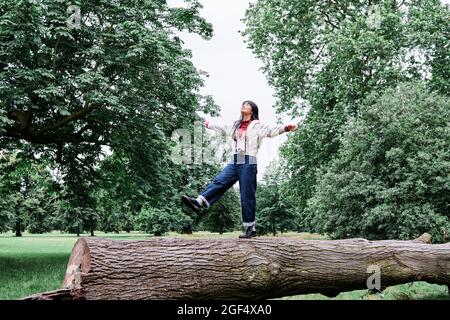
[(252, 138)]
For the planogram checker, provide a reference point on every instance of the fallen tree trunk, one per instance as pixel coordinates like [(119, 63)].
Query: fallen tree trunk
[(259, 268)]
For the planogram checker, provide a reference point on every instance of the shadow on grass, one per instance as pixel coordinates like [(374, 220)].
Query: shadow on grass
[(23, 275)]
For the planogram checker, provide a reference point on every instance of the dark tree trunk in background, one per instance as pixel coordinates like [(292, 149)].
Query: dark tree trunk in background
[(18, 228), (25, 186), (187, 230), (258, 268)]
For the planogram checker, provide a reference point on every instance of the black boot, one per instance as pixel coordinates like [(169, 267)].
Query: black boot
[(249, 233), (192, 203)]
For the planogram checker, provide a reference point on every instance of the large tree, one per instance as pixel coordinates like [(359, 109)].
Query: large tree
[(116, 81), (29, 195), (324, 57), (391, 178)]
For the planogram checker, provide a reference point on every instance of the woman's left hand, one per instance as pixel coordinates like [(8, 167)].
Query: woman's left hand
[(291, 127)]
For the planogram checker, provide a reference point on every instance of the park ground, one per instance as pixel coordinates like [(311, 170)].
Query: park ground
[(37, 263)]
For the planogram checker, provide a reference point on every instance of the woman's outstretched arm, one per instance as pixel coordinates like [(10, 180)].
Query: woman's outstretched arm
[(267, 131), (222, 129)]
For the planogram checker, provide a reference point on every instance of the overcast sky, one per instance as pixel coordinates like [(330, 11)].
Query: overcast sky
[(234, 74)]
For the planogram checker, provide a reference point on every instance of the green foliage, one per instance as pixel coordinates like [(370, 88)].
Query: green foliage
[(181, 222), (154, 221), (5, 216), (29, 195), (117, 199), (192, 179), (79, 212), (42, 208), (121, 68), (324, 58), (329, 54), (119, 218), (109, 212), (391, 176), (274, 214), (70, 219), (119, 84), (224, 215)]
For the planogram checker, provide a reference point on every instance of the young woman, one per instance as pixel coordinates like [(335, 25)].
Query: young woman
[(246, 137)]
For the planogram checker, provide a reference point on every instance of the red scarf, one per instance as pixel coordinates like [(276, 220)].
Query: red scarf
[(243, 127)]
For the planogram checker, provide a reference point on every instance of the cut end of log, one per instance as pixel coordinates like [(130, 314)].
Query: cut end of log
[(79, 262)]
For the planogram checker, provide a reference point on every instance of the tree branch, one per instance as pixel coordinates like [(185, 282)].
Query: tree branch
[(318, 54), (41, 139), (328, 19), (80, 132), (93, 171), (54, 54), (336, 6), (75, 116), (403, 2)]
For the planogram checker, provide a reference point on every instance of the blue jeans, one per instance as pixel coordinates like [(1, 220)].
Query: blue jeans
[(240, 168)]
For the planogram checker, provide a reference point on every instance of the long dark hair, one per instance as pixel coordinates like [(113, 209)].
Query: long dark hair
[(254, 116)]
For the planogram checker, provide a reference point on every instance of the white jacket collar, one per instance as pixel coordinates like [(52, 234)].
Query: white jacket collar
[(252, 123)]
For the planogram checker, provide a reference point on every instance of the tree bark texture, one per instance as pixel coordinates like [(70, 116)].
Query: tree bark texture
[(258, 268)]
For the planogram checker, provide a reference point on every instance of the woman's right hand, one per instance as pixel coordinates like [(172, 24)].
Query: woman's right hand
[(206, 124), (290, 127)]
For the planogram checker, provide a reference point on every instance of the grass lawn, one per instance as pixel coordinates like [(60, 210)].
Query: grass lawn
[(36, 263)]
